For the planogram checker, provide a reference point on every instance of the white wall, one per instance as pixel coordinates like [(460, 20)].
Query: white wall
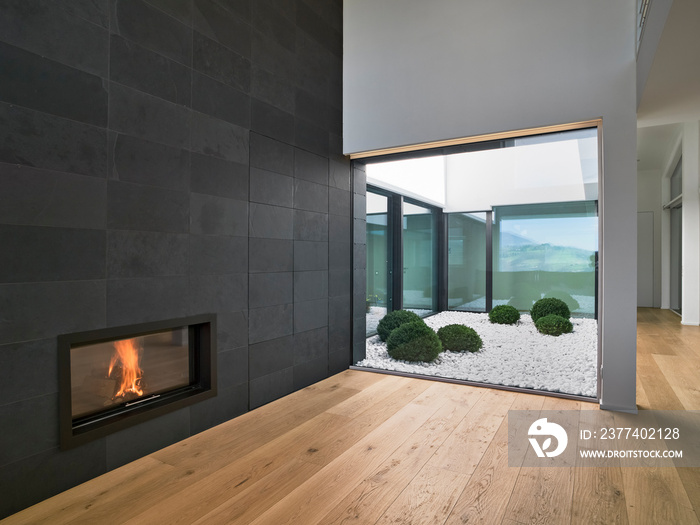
[(417, 71), (691, 224), (649, 200)]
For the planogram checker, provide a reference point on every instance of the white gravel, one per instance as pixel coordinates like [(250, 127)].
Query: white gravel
[(513, 355)]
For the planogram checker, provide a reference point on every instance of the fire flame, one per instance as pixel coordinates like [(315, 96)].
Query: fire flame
[(127, 353)]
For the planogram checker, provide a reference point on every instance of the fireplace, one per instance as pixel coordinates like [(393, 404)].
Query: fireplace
[(117, 377)]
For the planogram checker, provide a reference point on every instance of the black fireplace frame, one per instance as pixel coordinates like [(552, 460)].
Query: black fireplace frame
[(202, 338)]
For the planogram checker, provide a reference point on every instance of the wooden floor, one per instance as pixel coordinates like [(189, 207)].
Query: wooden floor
[(369, 448)]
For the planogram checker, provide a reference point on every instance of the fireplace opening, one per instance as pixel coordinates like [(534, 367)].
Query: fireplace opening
[(114, 378)]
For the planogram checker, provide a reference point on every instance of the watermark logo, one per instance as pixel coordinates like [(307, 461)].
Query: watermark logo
[(541, 428)]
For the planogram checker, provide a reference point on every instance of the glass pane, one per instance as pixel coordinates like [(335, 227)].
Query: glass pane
[(466, 259), (419, 259), (378, 259), (676, 258), (109, 374), (546, 250)]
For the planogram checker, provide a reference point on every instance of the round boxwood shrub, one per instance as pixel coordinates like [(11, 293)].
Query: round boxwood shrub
[(393, 320), (504, 314), (549, 305), (553, 324), (572, 303), (459, 338), (414, 341)]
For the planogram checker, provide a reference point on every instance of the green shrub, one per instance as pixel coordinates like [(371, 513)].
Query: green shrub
[(548, 306), (553, 324), (393, 320), (459, 338), (414, 341), (504, 314), (572, 303)]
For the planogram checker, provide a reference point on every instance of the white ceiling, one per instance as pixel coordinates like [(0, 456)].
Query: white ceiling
[(672, 91)]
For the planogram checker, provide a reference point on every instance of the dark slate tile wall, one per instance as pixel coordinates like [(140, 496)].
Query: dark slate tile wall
[(161, 159)]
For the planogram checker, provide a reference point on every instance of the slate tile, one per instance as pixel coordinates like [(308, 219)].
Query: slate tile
[(240, 8), (153, 29), (359, 231), (272, 122), (270, 387), (359, 180), (140, 440), (228, 403), (271, 255), (310, 226), (132, 301), (267, 187), (270, 322), (310, 255), (220, 63), (310, 314), (310, 285), (339, 201), (273, 89), (28, 197), (220, 100), (145, 208), (222, 25), (29, 427), (62, 307), (51, 30), (179, 9), (95, 11), (150, 163), (339, 361), (310, 137), (312, 66), (270, 289), (146, 254), (271, 155), (150, 72), (311, 167), (221, 139), (138, 114), (218, 293), (215, 176), (340, 175), (271, 22), (271, 222), (33, 138), (310, 372), (311, 345), (270, 356), (339, 283), (233, 331), (34, 253), (38, 477), (30, 369), (232, 368), (313, 109), (340, 255), (212, 215), (359, 256), (217, 254), (269, 55), (310, 196)]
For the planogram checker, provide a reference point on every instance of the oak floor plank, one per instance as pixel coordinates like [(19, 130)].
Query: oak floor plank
[(314, 498), (599, 497), (485, 497), (366, 503), (428, 499), (684, 378), (464, 448)]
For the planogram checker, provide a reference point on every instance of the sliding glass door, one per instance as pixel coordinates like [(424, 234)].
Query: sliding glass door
[(467, 261), (378, 258), (419, 258), (546, 250)]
